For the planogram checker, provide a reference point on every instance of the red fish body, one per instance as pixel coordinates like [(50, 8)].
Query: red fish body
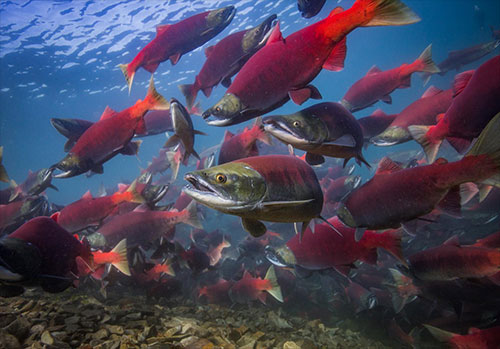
[(451, 261), (242, 145), (474, 339), (218, 292), (172, 41), (396, 195), (140, 227), (284, 67), (109, 136), (326, 249), (471, 110), (249, 288), (90, 211), (225, 59), (378, 85), (423, 111)]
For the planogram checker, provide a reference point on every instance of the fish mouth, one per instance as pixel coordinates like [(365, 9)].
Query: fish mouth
[(285, 134), (203, 192), (275, 258), (65, 174), (214, 120), (383, 142), (266, 26), (231, 14)]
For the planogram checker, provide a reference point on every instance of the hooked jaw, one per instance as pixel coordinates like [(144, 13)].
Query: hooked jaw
[(282, 257), (205, 193), (281, 131)]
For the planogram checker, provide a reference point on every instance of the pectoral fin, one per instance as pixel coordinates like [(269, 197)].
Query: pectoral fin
[(254, 227)]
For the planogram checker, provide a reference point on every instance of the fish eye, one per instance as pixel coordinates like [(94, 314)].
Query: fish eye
[(220, 178), (217, 109), (296, 123)]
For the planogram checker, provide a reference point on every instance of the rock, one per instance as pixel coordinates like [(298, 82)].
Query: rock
[(189, 341), (115, 329), (8, 341), (291, 345), (19, 328), (6, 318), (101, 334), (72, 320), (37, 329), (27, 306), (47, 338)]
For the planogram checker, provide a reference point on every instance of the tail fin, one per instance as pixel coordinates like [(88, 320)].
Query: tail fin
[(403, 291), (154, 99), (488, 144), (259, 132), (122, 263), (129, 76), (389, 240), (430, 146), (386, 12), (189, 91), (425, 77), (4, 177), (275, 290), (196, 109), (170, 270), (174, 159), (192, 216), (134, 194), (426, 64), (439, 334)]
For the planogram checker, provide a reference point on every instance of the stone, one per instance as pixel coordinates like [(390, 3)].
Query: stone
[(115, 329), (19, 328), (8, 341), (101, 334), (47, 338), (291, 345)]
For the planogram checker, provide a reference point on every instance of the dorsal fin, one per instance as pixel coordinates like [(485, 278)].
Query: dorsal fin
[(87, 195), (460, 82), (373, 70), (386, 165), (453, 241), (228, 135), (431, 91), (161, 28), (336, 11), (379, 113), (275, 34), (335, 61), (107, 113), (209, 50)]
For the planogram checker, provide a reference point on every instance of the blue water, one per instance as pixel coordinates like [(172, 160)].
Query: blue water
[(59, 59)]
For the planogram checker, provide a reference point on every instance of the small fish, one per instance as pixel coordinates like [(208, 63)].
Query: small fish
[(174, 40), (394, 195), (184, 131), (325, 249), (322, 129), (90, 211), (193, 257), (215, 252), (217, 293), (157, 271), (459, 58), (476, 102), (359, 297), (117, 257), (378, 85), (226, 58), (249, 288), (310, 8), (276, 188), (4, 177), (34, 184), (284, 68), (243, 145), (475, 338), (109, 136), (424, 111)]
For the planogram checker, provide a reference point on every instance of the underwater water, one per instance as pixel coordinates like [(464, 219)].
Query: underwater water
[(59, 59)]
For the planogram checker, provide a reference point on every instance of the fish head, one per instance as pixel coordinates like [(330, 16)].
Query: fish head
[(227, 109), (218, 19), (310, 8), (231, 187), (19, 260), (42, 181), (71, 166), (280, 257), (352, 182), (35, 206), (345, 216), (297, 129), (181, 119), (258, 35), (154, 193), (393, 135), (370, 301)]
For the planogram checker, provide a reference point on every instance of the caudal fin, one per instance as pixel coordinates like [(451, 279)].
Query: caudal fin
[(129, 76), (134, 193), (402, 290), (154, 99), (174, 158), (430, 146), (122, 263), (386, 12), (439, 334), (192, 216), (275, 289), (488, 144), (390, 240), (190, 92), (259, 133), (425, 62)]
